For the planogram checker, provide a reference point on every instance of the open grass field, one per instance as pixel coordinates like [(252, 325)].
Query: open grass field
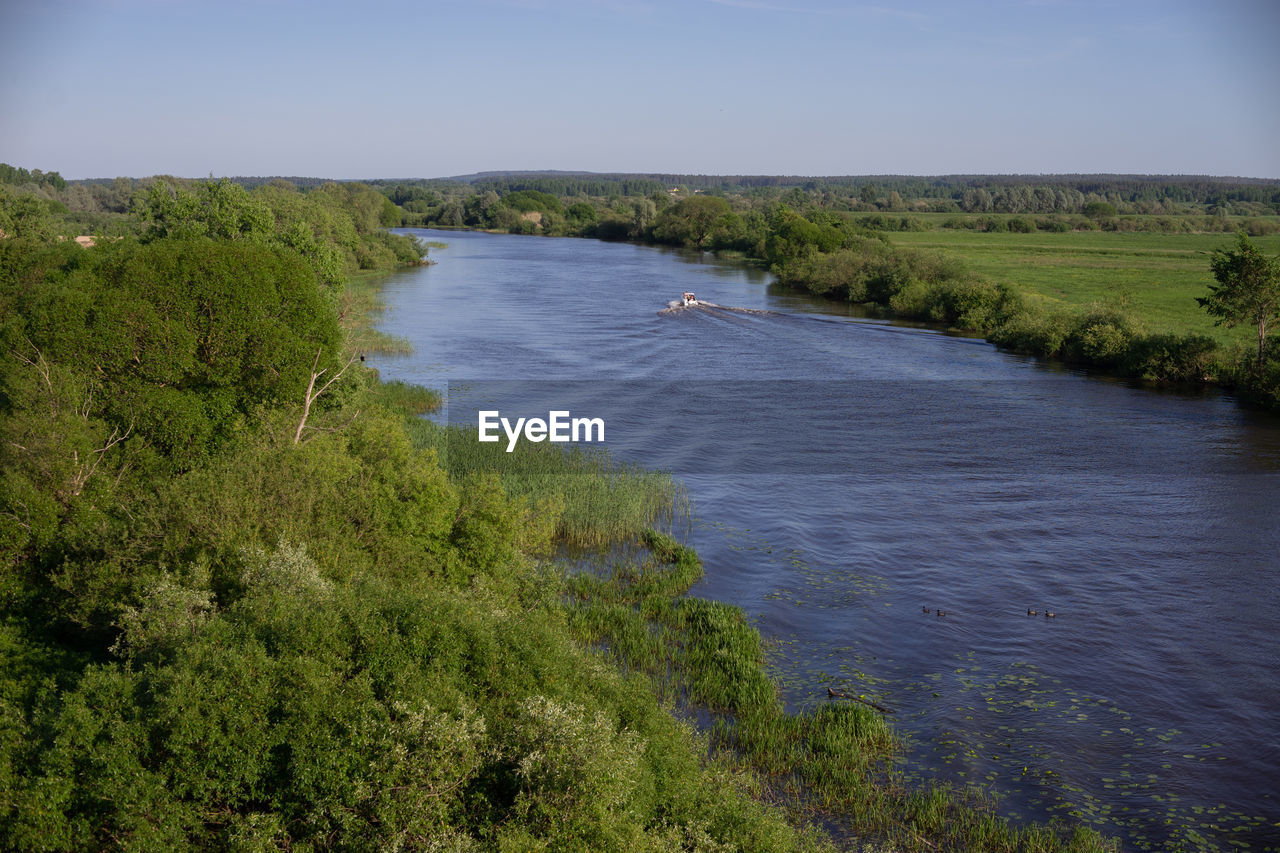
[(1157, 276)]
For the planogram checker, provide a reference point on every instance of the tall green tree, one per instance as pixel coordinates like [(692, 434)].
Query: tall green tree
[(219, 209), (691, 221), (1248, 290)]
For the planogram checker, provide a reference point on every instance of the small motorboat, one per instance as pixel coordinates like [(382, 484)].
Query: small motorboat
[(689, 298)]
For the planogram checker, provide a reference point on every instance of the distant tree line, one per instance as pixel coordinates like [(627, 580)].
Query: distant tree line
[(1186, 189), (17, 176), (628, 206)]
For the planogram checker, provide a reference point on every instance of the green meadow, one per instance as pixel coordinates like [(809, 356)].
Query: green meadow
[(1157, 277)]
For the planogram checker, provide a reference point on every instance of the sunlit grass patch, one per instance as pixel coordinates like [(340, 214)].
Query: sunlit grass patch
[(359, 305), (404, 397), (603, 501), (1155, 276)]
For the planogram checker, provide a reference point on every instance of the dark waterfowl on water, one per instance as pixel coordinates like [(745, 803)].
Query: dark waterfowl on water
[(1049, 614), (1031, 612)]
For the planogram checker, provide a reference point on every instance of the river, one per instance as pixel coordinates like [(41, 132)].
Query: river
[(848, 473)]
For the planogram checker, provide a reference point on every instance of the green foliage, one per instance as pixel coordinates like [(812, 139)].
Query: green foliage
[(19, 176), (1099, 210), (182, 337), (25, 215), (793, 234), (337, 228), (582, 213), (1034, 332), (1102, 337), (369, 712), (527, 201), (1248, 290), (1168, 356), (126, 365), (219, 209), (691, 222)]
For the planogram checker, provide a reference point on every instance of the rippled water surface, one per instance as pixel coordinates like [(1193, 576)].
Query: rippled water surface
[(848, 473)]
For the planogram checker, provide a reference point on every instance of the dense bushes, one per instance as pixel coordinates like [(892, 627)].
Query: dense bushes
[(174, 340), (337, 228), (361, 714)]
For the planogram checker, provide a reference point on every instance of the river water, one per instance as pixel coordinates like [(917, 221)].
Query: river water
[(847, 474)]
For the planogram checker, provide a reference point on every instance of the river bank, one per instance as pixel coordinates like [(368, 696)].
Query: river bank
[(837, 764), (884, 507), (1104, 333)]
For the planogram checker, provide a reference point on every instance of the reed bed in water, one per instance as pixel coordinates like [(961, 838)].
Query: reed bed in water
[(601, 501), (359, 305), (403, 397), (835, 763)]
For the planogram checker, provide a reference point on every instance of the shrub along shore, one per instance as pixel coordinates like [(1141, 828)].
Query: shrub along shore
[(920, 284)]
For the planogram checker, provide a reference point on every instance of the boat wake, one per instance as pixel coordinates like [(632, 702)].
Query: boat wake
[(676, 306)]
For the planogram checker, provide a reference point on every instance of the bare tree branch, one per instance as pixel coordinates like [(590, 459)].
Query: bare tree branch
[(85, 471), (42, 367), (338, 428), (313, 394)]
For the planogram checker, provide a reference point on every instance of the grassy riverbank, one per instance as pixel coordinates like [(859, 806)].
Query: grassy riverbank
[(1089, 303), (277, 622), (834, 764), (624, 599), (1155, 276)]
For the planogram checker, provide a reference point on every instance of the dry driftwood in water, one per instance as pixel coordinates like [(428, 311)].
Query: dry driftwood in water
[(836, 694)]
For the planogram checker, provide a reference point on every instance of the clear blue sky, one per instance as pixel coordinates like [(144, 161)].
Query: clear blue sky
[(807, 87)]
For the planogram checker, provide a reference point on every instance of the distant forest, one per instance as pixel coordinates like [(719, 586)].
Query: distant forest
[(632, 206), (1198, 189)]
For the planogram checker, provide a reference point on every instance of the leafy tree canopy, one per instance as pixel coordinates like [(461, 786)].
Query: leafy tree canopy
[(180, 336), (1248, 289), (218, 209), (527, 201), (691, 220)]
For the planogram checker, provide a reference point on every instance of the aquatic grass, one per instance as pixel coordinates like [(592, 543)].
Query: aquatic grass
[(359, 305), (604, 501), (723, 657), (404, 398), (835, 762)]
